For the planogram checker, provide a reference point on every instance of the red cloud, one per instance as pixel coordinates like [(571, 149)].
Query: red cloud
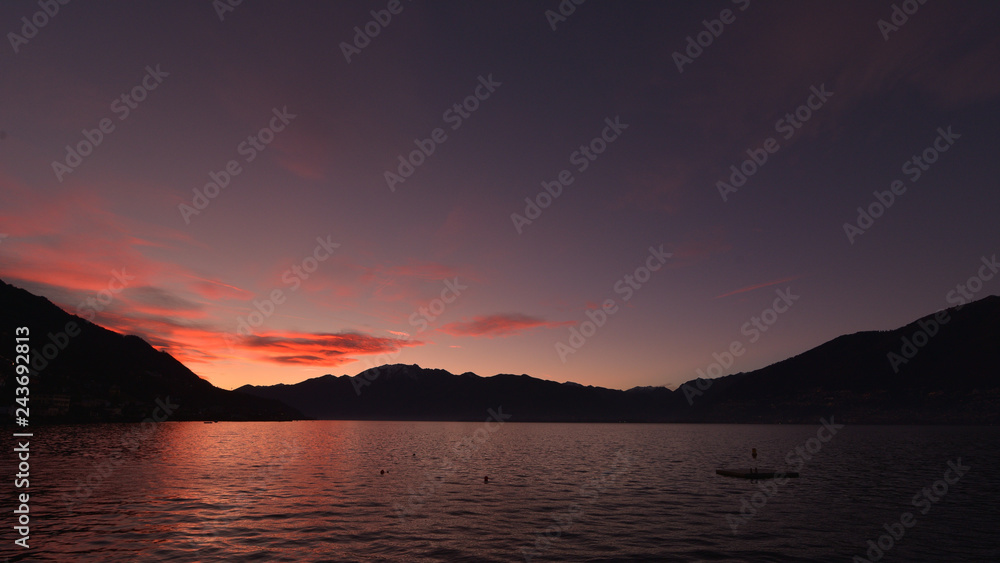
[(214, 290), (320, 349), (497, 325), (75, 239), (403, 282), (758, 286)]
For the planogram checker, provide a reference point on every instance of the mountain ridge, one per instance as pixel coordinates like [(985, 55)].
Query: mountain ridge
[(852, 374), (82, 372), (87, 373)]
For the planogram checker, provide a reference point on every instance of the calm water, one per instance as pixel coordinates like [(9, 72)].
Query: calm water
[(313, 491)]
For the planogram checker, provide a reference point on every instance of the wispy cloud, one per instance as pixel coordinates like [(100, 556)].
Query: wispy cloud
[(320, 349), (498, 325), (216, 290), (757, 286)]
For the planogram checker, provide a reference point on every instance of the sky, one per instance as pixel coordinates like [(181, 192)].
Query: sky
[(613, 193)]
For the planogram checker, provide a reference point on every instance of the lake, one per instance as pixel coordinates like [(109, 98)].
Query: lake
[(316, 491)]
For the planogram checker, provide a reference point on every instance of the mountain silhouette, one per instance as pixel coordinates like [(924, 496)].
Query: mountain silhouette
[(940, 369), (950, 377), (86, 373)]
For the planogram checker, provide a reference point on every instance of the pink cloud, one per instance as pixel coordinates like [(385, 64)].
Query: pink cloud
[(215, 290), (757, 286), (492, 326), (320, 349)]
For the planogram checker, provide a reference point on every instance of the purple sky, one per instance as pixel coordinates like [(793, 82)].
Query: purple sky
[(352, 268)]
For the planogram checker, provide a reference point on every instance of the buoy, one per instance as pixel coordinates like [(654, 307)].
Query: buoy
[(486, 479), (382, 472)]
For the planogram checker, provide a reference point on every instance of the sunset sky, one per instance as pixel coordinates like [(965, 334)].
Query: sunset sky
[(301, 119)]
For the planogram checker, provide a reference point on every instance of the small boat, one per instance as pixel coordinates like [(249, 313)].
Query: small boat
[(747, 474), (209, 422)]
